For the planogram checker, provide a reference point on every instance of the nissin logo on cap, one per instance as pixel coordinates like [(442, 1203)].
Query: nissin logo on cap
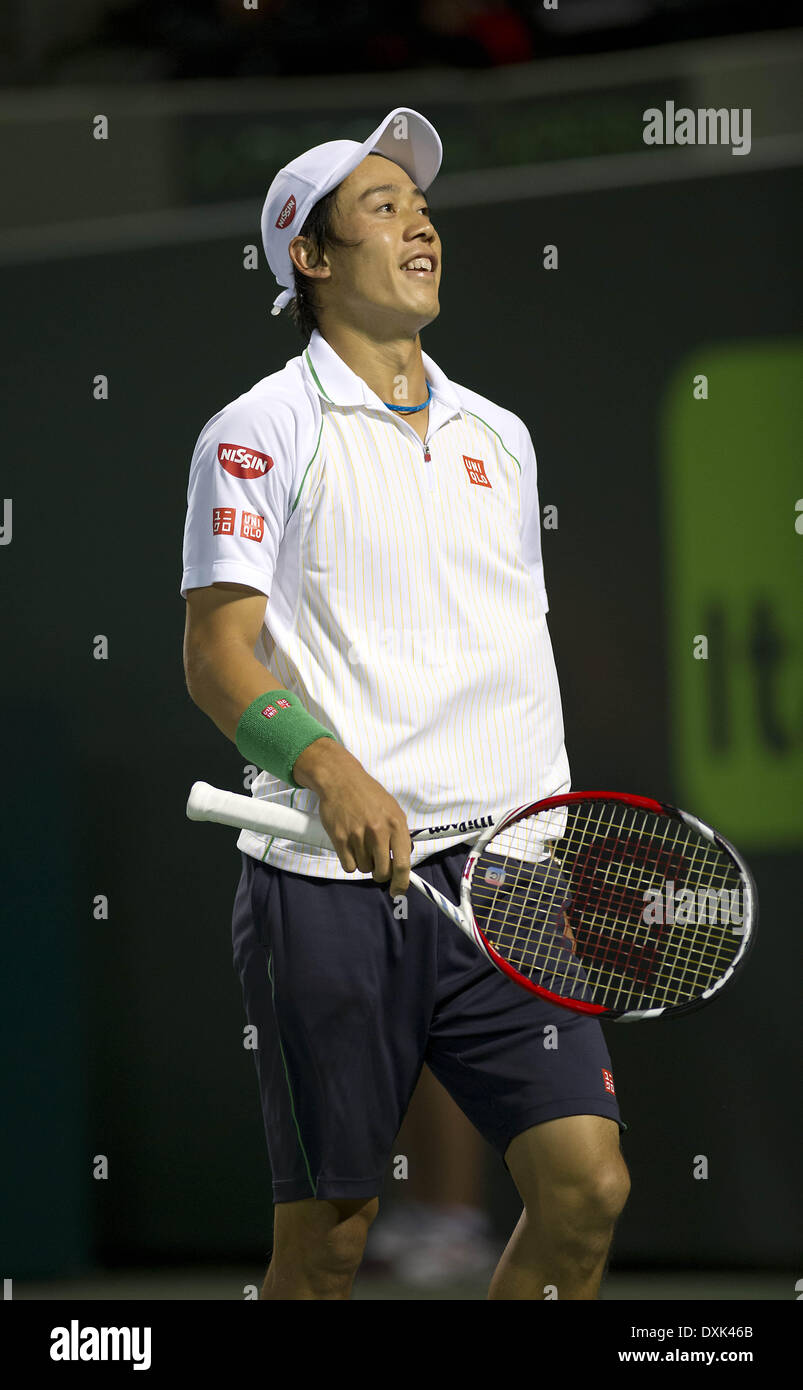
[(287, 213), (242, 462)]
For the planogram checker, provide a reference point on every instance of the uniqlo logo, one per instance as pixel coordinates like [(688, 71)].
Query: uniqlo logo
[(476, 471), (252, 526), (270, 710), (608, 1079), (223, 521)]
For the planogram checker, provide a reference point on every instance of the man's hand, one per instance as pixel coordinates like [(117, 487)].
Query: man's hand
[(366, 825), (567, 931)]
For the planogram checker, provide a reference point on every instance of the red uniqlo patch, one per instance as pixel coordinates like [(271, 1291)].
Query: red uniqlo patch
[(269, 711), (252, 526), (476, 471), (608, 1079), (223, 521)]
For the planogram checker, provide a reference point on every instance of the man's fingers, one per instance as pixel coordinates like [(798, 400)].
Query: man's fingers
[(381, 849), (568, 933), (347, 860), (371, 849), (363, 856), (400, 844), (381, 865)]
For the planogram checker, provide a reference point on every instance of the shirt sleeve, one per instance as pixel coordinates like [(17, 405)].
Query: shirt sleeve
[(239, 497), (531, 519)]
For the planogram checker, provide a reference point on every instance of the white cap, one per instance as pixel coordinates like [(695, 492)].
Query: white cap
[(404, 136)]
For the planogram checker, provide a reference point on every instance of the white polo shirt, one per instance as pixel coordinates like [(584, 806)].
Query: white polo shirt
[(406, 600)]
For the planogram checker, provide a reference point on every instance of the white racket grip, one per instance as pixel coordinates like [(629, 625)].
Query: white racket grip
[(250, 813), (210, 803)]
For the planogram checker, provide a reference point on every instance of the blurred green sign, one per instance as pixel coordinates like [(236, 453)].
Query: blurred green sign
[(732, 477)]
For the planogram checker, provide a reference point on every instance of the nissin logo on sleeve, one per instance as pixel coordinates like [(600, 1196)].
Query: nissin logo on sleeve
[(242, 462)]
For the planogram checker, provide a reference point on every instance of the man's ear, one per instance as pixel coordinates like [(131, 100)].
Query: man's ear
[(305, 258)]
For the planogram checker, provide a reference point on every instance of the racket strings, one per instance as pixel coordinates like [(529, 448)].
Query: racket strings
[(649, 901), (609, 955)]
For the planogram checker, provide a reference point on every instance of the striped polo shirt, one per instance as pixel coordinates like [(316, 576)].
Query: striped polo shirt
[(406, 601)]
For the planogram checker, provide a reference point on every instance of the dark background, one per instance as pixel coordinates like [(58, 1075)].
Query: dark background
[(124, 1036)]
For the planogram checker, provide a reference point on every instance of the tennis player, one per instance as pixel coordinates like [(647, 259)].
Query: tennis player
[(366, 621)]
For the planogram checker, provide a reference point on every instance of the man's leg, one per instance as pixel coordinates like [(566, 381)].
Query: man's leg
[(573, 1181), (317, 1248)]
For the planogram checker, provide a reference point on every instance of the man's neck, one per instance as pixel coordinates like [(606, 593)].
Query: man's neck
[(392, 368)]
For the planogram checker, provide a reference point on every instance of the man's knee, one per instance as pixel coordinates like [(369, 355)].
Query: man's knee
[(608, 1190), (570, 1169), (344, 1242), (322, 1243), (590, 1206)]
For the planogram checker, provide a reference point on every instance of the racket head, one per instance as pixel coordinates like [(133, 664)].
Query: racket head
[(661, 909)]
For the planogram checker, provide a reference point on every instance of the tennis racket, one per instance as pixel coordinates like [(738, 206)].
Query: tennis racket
[(604, 903)]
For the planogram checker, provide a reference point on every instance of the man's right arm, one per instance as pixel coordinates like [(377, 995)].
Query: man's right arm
[(365, 824)]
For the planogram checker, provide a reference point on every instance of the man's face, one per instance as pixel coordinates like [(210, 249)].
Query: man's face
[(379, 206)]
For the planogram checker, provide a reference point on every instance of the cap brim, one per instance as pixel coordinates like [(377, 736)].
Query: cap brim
[(410, 141), (404, 136)]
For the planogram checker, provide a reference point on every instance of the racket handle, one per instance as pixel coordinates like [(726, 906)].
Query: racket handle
[(251, 813), (266, 817)]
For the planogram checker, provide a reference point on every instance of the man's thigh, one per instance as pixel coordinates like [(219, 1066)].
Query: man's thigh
[(512, 1061), (337, 991), (570, 1167)]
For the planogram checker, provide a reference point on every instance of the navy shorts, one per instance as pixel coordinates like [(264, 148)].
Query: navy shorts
[(349, 1002)]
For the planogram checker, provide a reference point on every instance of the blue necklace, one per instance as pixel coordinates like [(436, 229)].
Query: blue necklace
[(410, 409)]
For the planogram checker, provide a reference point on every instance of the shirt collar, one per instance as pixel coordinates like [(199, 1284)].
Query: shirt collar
[(337, 383)]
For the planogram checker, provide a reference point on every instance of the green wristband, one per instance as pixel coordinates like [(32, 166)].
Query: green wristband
[(274, 730)]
